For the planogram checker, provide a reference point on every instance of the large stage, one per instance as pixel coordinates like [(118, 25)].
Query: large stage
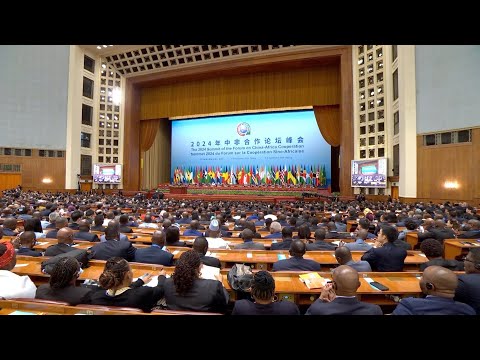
[(272, 194)]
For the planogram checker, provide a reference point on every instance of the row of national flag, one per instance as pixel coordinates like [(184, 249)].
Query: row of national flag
[(315, 175)]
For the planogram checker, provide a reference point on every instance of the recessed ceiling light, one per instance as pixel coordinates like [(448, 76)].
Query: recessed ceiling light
[(99, 47), (104, 46), (104, 66)]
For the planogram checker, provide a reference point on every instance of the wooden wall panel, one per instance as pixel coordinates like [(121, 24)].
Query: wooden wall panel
[(455, 162), (258, 91), (35, 168), (131, 153), (9, 181)]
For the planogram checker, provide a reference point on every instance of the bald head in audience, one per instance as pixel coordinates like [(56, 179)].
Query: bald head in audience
[(439, 281), (343, 255), (158, 238), (83, 225), (345, 279), (65, 236), (298, 248)]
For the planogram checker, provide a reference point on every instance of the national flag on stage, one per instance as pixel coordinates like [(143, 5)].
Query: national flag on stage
[(282, 174), (226, 176), (233, 176), (255, 176), (291, 177), (308, 176)]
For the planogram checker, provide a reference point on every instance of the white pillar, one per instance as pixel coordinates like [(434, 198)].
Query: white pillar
[(408, 121)]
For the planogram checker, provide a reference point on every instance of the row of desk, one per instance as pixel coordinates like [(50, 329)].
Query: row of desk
[(288, 285), (261, 259)]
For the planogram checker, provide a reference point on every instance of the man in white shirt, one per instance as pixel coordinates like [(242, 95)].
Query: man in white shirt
[(11, 284), (213, 236)]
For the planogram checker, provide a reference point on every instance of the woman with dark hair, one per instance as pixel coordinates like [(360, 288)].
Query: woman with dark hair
[(185, 290), (120, 291), (263, 294), (304, 234), (34, 225), (61, 286)]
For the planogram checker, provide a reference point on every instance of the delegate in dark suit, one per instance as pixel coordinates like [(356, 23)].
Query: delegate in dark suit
[(58, 249), (153, 255), (28, 252), (284, 245), (386, 258), (468, 290), (205, 295), (250, 245), (343, 306), (210, 261), (110, 248), (296, 263), (471, 234), (247, 307), (85, 235), (73, 295), (432, 305)]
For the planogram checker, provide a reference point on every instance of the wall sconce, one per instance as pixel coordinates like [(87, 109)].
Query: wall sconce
[(451, 185), (47, 180)]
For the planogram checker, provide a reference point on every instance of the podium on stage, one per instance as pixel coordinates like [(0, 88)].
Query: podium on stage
[(178, 189)]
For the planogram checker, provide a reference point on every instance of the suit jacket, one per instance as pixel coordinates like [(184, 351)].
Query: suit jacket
[(50, 235), (153, 255), (296, 263), (284, 245), (142, 297), (359, 265), (106, 250), (435, 233), (84, 235), (28, 252), (471, 234), (453, 265), (402, 244), (123, 237), (386, 258), (210, 261), (343, 306), (468, 290), (277, 235), (250, 245), (432, 305), (73, 295), (73, 226), (98, 228), (190, 232), (247, 307), (125, 229), (320, 245), (58, 249), (205, 295), (358, 245)]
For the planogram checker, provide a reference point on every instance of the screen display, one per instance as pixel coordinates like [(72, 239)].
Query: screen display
[(281, 148), (369, 173), (107, 174)]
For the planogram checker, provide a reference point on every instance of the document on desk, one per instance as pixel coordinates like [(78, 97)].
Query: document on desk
[(209, 272), (281, 257), (20, 265), (249, 255)]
